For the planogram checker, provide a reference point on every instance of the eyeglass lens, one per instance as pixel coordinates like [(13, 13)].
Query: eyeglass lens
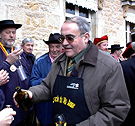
[(69, 38)]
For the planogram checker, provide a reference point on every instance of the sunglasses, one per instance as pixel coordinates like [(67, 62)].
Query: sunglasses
[(70, 38)]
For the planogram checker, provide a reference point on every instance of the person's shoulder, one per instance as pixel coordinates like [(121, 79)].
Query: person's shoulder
[(60, 58), (130, 61), (42, 57), (107, 59)]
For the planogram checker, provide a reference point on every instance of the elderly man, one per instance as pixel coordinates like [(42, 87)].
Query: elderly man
[(27, 58), (9, 62), (116, 51), (40, 70), (86, 85)]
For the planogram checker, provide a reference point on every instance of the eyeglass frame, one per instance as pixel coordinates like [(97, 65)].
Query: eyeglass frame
[(73, 37)]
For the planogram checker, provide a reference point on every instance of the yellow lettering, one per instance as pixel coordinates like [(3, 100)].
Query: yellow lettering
[(60, 100), (71, 104), (64, 100), (55, 99)]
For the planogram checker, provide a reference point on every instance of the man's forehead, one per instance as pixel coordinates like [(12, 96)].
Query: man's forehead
[(9, 29), (29, 43), (54, 44), (69, 27)]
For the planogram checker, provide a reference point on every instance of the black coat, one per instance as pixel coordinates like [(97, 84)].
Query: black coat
[(129, 74)]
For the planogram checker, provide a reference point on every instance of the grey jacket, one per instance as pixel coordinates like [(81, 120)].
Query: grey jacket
[(104, 87)]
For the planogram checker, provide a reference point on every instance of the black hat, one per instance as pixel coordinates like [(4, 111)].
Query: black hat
[(53, 38), (8, 24), (115, 47)]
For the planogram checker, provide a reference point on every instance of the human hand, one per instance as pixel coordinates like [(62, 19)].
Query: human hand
[(6, 116), (4, 77), (14, 95), (14, 56)]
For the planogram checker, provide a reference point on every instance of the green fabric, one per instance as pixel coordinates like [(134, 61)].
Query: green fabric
[(73, 61)]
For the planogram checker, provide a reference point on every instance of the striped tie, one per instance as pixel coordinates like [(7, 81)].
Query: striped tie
[(70, 67)]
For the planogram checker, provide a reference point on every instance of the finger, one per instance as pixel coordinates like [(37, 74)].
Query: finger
[(1, 71), (12, 118), (5, 76), (12, 112), (4, 82), (30, 94), (5, 72), (18, 52), (15, 100)]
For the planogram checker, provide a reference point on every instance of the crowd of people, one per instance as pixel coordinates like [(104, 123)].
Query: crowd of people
[(86, 82)]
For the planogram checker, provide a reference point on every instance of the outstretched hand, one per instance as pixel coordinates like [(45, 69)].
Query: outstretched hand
[(29, 93)]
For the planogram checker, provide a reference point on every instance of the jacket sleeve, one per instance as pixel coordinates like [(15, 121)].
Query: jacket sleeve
[(42, 92), (5, 65), (2, 99), (36, 77), (114, 102)]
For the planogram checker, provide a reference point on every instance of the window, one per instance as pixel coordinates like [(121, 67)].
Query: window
[(129, 28), (70, 8), (75, 10), (83, 12)]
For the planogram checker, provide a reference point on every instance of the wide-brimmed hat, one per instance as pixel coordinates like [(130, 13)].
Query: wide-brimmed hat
[(9, 24), (98, 41), (129, 50), (115, 47), (53, 38)]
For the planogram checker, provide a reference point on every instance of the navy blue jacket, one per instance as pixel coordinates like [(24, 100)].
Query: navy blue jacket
[(2, 99), (129, 74), (9, 88), (40, 70), (27, 61)]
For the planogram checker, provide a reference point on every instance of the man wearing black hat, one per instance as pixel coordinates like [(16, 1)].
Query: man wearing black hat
[(116, 51), (9, 62), (40, 70)]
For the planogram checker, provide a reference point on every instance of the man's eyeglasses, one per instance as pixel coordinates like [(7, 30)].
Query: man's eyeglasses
[(70, 38)]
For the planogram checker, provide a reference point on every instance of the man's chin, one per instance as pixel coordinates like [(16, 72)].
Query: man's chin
[(9, 45)]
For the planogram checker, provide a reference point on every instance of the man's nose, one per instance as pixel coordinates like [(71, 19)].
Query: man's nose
[(11, 34), (65, 42)]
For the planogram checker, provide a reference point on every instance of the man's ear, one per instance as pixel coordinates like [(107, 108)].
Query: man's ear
[(86, 37)]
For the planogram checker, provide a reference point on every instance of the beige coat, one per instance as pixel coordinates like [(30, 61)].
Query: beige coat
[(104, 86)]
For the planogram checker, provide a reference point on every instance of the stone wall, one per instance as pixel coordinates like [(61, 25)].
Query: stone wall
[(110, 21), (41, 17), (38, 17)]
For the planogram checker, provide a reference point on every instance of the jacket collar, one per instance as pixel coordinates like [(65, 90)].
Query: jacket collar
[(89, 58)]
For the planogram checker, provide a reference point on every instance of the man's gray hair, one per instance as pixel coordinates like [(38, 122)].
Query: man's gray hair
[(24, 41), (84, 26)]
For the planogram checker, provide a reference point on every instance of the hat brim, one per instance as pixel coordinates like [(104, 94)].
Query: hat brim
[(117, 48), (51, 42), (10, 26)]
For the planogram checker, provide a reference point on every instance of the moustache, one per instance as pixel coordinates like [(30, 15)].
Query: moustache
[(67, 47), (11, 40)]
